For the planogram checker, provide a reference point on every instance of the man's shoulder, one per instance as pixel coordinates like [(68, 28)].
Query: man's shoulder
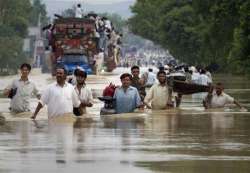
[(51, 85), (15, 81), (32, 82), (156, 85), (87, 88), (132, 88), (69, 86), (226, 95)]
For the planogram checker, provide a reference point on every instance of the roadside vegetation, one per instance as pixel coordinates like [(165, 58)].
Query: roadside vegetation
[(198, 32), (15, 18)]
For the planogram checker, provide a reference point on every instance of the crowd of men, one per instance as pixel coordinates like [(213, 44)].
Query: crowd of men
[(63, 98)]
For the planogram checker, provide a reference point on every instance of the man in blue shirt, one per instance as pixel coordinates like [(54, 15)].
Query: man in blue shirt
[(127, 97)]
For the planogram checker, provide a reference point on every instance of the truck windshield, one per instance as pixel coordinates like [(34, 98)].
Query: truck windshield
[(75, 59)]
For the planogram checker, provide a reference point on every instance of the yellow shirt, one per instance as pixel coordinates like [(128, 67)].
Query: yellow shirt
[(158, 96)]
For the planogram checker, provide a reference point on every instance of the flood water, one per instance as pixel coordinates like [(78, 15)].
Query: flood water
[(188, 139)]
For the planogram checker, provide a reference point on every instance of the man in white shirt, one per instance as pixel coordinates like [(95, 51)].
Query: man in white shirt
[(21, 90), (99, 61), (219, 99), (60, 97), (79, 11), (84, 93), (195, 75), (203, 78), (150, 78), (159, 95)]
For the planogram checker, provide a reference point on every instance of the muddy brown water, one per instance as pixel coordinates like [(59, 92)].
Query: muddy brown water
[(188, 140)]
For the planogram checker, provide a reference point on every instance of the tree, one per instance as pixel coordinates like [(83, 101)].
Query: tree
[(38, 11), (197, 31), (15, 17), (240, 54)]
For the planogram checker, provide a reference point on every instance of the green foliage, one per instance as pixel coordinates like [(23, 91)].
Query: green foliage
[(38, 10), (240, 53), (11, 54), (197, 31), (15, 17)]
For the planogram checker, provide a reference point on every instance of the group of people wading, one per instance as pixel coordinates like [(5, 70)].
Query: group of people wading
[(62, 97)]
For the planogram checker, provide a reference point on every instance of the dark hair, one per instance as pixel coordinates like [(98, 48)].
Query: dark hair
[(150, 70), (203, 71), (79, 72), (161, 68), (135, 67), (78, 5), (219, 84), (124, 75), (161, 72), (62, 67), (25, 65)]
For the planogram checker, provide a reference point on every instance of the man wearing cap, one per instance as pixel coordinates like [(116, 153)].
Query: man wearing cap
[(84, 93)]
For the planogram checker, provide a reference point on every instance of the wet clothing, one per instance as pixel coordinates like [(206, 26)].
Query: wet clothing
[(85, 95), (141, 88), (209, 76), (195, 77), (24, 91), (126, 101), (150, 79), (158, 95), (78, 12), (60, 100), (204, 80), (221, 100)]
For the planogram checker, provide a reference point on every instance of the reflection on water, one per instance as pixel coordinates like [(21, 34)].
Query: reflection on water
[(187, 140)]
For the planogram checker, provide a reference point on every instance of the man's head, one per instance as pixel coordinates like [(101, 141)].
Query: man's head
[(61, 74), (219, 88), (150, 70), (202, 71), (25, 70), (79, 5), (126, 79), (135, 70), (80, 75), (161, 76), (161, 68)]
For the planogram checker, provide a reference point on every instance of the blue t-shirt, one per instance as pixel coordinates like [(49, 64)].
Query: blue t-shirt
[(126, 101)]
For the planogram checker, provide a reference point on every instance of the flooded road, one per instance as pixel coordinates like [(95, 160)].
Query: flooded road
[(188, 139)]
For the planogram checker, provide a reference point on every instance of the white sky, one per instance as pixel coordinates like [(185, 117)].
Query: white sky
[(93, 1)]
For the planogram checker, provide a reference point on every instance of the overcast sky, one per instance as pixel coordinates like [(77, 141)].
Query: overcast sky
[(95, 1), (121, 7)]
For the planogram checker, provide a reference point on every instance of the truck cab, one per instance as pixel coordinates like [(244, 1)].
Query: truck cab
[(74, 44), (71, 62)]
